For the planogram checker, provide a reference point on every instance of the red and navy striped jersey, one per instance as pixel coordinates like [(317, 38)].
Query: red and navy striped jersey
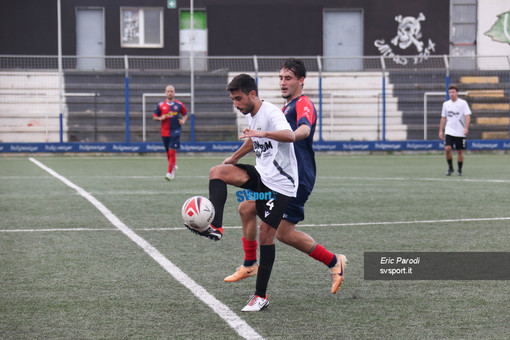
[(302, 111), (174, 110)]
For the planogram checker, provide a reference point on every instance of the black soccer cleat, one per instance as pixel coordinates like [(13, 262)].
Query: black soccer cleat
[(449, 172), (214, 234)]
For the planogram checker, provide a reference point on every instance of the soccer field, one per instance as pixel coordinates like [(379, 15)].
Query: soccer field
[(94, 248)]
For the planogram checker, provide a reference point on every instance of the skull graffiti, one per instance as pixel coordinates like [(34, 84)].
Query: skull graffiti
[(409, 32)]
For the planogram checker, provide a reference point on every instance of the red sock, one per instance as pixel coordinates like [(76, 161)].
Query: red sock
[(322, 255), (173, 155), (171, 159), (250, 250)]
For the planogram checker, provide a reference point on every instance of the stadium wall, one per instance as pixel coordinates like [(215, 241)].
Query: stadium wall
[(246, 29)]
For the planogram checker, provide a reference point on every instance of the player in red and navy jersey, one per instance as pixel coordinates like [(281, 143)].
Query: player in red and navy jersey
[(172, 114), (302, 116)]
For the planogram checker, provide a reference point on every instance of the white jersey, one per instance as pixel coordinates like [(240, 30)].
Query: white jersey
[(276, 162), (455, 113)]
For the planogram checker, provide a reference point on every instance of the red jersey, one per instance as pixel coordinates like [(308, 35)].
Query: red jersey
[(174, 110)]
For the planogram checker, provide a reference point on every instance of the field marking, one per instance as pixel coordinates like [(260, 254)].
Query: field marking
[(406, 222), (416, 179), (425, 179), (232, 319), (352, 224)]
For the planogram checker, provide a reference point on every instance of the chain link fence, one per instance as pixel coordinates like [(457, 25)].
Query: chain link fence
[(365, 98)]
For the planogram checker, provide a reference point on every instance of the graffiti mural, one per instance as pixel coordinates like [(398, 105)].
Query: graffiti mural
[(500, 31), (408, 38)]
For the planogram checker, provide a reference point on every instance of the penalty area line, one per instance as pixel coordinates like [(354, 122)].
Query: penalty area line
[(232, 319), (353, 224), (407, 222)]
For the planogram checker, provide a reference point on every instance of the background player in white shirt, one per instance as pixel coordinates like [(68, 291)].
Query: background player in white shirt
[(454, 127)]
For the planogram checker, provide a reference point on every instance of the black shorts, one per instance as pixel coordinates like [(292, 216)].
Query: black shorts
[(268, 210), (459, 142)]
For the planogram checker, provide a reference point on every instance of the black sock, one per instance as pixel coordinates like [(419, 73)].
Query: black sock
[(450, 164), (249, 263), (218, 197), (333, 262), (460, 166), (267, 256)]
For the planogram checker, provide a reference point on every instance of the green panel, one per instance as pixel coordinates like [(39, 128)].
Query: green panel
[(199, 19)]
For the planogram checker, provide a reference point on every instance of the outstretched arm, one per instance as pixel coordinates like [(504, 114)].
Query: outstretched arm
[(286, 136), (246, 148)]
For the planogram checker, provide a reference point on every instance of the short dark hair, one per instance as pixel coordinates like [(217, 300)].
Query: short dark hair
[(297, 66), (243, 82), (453, 87)]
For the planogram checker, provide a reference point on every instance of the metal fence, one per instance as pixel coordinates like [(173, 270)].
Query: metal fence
[(364, 98)]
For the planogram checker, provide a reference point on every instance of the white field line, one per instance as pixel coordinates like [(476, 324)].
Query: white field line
[(232, 319), (353, 224), (410, 179)]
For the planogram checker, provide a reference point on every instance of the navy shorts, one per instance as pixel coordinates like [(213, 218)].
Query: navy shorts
[(295, 212), (459, 142), (268, 210), (172, 142)]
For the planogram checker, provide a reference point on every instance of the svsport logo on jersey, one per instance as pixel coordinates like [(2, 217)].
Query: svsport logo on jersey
[(249, 195)]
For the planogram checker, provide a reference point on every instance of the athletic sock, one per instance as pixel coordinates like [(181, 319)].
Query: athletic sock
[(450, 164), (250, 252), (460, 165), (218, 197), (170, 155), (247, 263), (173, 158), (322, 255), (267, 256)]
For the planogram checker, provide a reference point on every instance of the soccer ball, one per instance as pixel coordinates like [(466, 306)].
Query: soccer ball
[(198, 213)]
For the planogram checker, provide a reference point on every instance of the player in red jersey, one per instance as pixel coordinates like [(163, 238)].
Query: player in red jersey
[(172, 115), (301, 115)]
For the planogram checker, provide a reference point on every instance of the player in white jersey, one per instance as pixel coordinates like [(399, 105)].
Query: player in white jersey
[(274, 178), (454, 127), (275, 162), (302, 117)]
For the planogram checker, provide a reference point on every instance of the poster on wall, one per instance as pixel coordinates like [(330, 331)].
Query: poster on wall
[(130, 30)]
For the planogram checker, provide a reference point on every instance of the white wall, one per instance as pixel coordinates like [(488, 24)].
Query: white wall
[(488, 11)]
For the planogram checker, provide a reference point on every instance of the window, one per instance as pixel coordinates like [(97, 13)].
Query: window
[(141, 27)]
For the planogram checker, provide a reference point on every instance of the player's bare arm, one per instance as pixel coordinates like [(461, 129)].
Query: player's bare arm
[(285, 136), (183, 119), (246, 148), (302, 132), (466, 128), (441, 127)]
